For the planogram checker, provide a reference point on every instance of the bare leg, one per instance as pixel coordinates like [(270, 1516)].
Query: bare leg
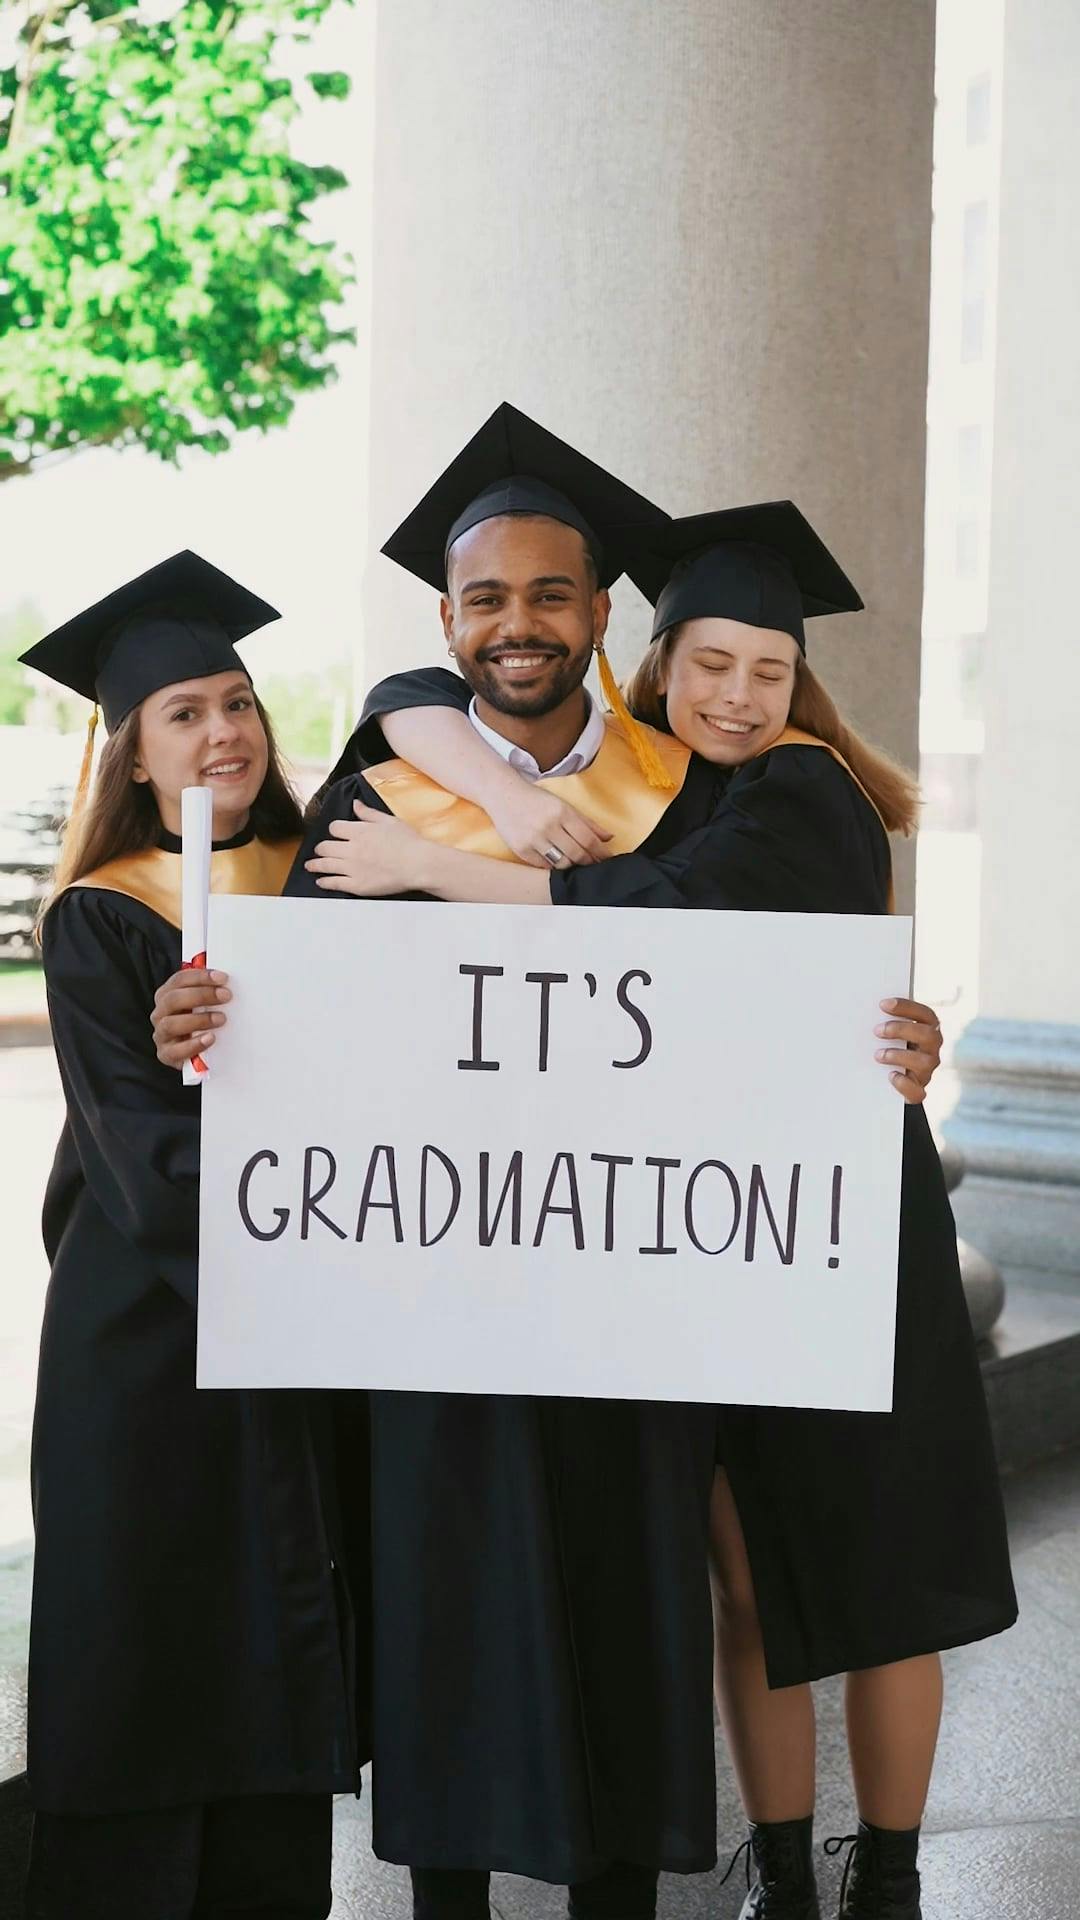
[(893, 1715), (770, 1734)]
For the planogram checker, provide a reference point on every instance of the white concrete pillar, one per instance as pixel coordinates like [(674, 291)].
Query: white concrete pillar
[(691, 237), (1018, 1121)]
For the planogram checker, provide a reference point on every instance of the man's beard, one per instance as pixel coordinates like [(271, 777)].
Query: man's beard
[(527, 702)]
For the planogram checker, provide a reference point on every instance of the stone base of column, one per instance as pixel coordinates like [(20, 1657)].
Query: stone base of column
[(1017, 1124)]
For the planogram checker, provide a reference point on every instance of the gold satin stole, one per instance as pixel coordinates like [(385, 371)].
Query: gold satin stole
[(262, 866), (612, 792)]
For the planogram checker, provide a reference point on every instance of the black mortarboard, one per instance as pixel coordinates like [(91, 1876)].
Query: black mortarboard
[(513, 465), (178, 621), (763, 565)]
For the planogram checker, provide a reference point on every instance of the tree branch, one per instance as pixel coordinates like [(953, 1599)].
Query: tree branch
[(40, 462), (22, 97)]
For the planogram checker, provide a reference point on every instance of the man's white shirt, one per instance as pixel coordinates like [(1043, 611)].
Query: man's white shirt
[(581, 755)]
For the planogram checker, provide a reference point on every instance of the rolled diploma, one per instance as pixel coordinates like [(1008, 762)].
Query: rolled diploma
[(196, 828)]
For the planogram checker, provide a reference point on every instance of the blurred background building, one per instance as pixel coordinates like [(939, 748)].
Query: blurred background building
[(959, 465)]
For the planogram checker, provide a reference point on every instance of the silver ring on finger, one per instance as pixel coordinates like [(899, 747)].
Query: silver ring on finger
[(553, 855)]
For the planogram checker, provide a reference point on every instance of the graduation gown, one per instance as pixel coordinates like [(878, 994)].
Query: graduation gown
[(542, 1650), (871, 1537), (186, 1643)]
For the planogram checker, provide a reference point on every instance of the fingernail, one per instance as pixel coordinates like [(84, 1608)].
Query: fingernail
[(219, 978), (204, 1040), (887, 1004), (882, 1032), (224, 994), (881, 1054)]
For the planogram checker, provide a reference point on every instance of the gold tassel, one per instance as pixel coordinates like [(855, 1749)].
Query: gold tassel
[(644, 752), (82, 784)]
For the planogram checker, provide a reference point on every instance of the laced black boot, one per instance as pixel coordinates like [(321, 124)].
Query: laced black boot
[(881, 1877), (785, 1888)]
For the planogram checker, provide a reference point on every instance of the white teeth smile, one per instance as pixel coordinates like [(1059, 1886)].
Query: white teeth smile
[(517, 660), (728, 726), (225, 766)]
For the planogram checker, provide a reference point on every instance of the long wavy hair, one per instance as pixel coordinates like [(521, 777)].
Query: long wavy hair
[(121, 816), (893, 790)]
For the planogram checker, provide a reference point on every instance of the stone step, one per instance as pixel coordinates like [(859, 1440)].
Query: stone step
[(1031, 1369)]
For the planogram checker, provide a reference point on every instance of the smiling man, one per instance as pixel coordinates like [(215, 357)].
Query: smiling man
[(524, 579), (521, 629), (542, 1616)]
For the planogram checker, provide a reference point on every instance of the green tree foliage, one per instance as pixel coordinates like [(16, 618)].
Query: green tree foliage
[(159, 284), (19, 629), (310, 711)]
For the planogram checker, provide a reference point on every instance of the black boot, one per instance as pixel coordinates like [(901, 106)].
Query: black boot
[(621, 1892), (449, 1893), (881, 1878), (785, 1888)]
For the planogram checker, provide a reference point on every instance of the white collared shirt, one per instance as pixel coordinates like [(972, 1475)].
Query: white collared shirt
[(581, 755)]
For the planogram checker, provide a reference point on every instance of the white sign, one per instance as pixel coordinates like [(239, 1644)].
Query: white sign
[(576, 1151)]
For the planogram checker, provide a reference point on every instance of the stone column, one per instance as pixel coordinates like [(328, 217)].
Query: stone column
[(694, 239), (1018, 1120)]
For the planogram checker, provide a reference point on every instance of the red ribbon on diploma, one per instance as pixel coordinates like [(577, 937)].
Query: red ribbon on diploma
[(195, 965)]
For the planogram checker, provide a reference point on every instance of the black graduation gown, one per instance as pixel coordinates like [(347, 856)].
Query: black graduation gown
[(185, 1643), (542, 1618), (871, 1537)]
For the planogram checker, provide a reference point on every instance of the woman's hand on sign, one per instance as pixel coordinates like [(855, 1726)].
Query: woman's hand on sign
[(915, 1052), (187, 1008), (370, 856), (542, 829)]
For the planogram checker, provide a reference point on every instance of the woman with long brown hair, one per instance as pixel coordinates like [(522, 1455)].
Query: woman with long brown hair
[(849, 1543), (187, 1700)]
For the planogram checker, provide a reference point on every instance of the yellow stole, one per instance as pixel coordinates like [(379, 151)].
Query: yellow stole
[(612, 792), (153, 877)]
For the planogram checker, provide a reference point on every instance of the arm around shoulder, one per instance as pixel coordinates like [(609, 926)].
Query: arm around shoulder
[(779, 839)]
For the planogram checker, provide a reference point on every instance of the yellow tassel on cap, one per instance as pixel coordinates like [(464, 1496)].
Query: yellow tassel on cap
[(82, 784), (644, 752)]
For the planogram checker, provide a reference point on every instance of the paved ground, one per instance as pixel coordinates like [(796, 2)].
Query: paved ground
[(1003, 1827)]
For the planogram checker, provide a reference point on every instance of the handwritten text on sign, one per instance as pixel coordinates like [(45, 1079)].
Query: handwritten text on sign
[(572, 1151)]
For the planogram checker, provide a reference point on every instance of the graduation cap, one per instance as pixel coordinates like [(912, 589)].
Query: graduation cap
[(514, 465), (763, 565), (178, 621)]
